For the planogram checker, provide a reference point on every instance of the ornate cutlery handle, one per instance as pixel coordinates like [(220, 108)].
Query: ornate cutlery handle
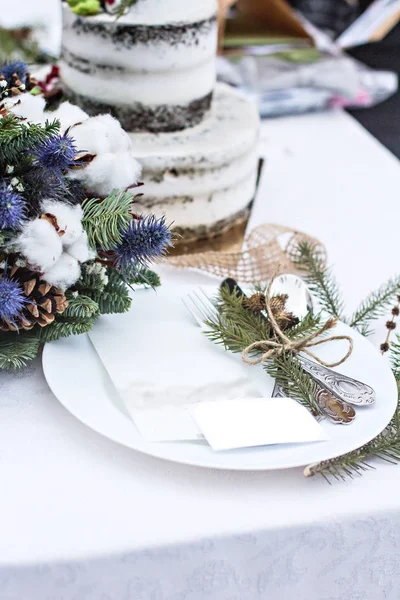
[(345, 388), (336, 410)]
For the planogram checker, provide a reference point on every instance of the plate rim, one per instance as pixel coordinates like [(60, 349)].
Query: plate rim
[(155, 449)]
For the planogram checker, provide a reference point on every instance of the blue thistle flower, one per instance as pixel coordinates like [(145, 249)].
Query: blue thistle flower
[(12, 208), (145, 240), (12, 300), (55, 153), (17, 67)]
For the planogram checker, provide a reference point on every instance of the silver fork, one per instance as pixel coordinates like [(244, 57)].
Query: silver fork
[(202, 309)]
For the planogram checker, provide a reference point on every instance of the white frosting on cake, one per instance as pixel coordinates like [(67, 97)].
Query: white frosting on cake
[(204, 174), (154, 69), (147, 88), (160, 53), (207, 209)]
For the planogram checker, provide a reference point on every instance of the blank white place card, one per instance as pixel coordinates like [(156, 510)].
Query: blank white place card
[(247, 422)]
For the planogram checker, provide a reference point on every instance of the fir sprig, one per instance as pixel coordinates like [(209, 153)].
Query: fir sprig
[(17, 138), (18, 349), (146, 277), (105, 220), (80, 307), (114, 297), (386, 447), (288, 372), (319, 278), (375, 305), (236, 328), (65, 327)]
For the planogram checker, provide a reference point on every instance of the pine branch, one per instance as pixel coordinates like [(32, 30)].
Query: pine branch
[(386, 446), (114, 297), (319, 278), (18, 137), (65, 327), (236, 328), (104, 220), (89, 283), (17, 349), (287, 370), (375, 305), (310, 324), (145, 277), (113, 302), (395, 357), (81, 307)]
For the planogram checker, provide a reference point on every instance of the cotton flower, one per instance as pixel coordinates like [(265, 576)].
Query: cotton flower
[(64, 273), (69, 220), (30, 108), (12, 208), (145, 240), (114, 165), (56, 244), (40, 244), (68, 114), (12, 300), (80, 249)]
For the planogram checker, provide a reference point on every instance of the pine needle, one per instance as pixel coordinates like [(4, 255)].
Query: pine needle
[(386, 447), (319, 278), (81, 307), (17, 350), (145, 277), (64, 327), (18, 137), (375, 305), (105, 220), (114, 297), (236, 328)]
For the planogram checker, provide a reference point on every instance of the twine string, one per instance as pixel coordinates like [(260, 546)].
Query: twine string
[(282, 343)]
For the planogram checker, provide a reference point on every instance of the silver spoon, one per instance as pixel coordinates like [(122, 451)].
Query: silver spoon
[(344, 388), (332, 407), (335, 410)]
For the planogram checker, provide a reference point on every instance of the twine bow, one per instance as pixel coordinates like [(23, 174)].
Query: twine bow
[(282, 343)]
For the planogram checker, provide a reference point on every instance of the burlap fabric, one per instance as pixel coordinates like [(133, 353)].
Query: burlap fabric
[(266, 247)]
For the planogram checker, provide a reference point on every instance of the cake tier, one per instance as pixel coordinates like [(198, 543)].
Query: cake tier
[(202, 179), (153, 69)]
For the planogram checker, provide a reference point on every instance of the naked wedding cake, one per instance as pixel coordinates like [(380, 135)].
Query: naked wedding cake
[(153, 68)]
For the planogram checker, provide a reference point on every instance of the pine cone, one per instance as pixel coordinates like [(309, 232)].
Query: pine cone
[(44, 301), (256, 302), (278, 303), (286, 320)]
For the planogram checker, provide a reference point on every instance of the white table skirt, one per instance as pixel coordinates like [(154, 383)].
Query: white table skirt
[(82, 518)]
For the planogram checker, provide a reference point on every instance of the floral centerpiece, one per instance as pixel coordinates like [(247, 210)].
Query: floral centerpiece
[(71, 244)]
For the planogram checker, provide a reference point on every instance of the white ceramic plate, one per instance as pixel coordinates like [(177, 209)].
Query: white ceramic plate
[(79, 380)]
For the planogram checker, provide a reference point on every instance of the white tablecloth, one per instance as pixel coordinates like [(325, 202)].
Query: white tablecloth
[(82, 518)]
